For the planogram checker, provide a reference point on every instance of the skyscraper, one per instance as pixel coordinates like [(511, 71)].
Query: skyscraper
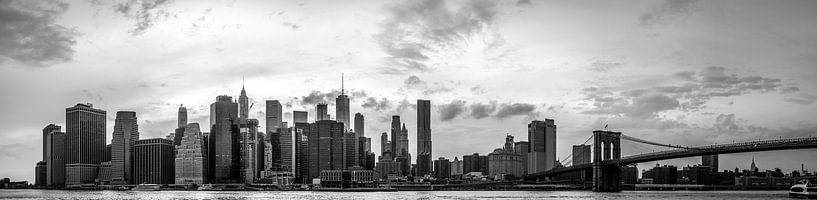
[(301, 129), (403, 143), (395, 132), (55, 159), (191, 157), (385, 146), (249, 150), (85, 135), (182, 117), (350, 149), (321, 112), (542, 138), (359, 128), (48, 129), (424, 164), (523, 149), (325, 147), (342, 108), (223, 142), (243, 105), (273, 116), (154, 161), (299, 117), (285, 148), (125, 133)]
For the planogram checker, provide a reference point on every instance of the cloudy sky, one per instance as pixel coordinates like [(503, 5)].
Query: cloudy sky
[(680, 72)]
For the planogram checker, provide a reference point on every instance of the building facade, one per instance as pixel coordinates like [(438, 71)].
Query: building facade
[(542, 138), (125, 133), (223, 141), (55, 155), (85, 137), (522, 148), (424, 164), (154, 161), (273, 114), (442, 168), (581, 154), (191, 157), (325, 147), (321, 112)]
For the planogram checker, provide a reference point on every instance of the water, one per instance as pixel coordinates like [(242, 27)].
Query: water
[(662, 195)]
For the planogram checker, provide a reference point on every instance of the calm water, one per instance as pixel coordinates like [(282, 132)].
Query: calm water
[(56, 194)]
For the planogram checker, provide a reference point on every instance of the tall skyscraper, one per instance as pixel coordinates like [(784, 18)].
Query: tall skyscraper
[(48, 129), (342, 108), (403, 143), (542, 138), (325, 147), (223, 140), (581, 154), (424, 164), (301, 129), (249, 150), (299, 117), (321, 112), (125, 133), (273, 116), (711, 161), (395, 132), (154, 161), (285, 148), (243, 105), (359, 128), (182, 117), (191, 157), (85, 135), (55, 158), (385, 146), (350, 148)]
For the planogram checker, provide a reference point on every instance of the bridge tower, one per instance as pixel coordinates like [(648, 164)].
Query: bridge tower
[(606, 154)]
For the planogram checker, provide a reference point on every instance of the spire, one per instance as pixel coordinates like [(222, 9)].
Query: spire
[(404, 126), (243, 92), (342, 92)]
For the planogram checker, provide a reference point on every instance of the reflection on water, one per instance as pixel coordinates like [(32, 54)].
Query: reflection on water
[(667, 195)]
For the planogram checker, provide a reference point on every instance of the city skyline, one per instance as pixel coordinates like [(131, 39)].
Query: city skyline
[(668, 74)]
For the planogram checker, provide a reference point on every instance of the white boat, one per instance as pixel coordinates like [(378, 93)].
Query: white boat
[(804, 189), (147, 187)]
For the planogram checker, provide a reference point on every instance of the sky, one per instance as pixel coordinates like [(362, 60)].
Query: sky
[(680, 72)]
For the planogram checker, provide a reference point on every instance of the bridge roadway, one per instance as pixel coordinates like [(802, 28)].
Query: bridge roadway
[(754, 146)]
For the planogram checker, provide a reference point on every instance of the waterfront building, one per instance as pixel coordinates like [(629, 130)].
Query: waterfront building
[(474, 163), (223, 141), (424, 164), (191, 157), (388, 168), (41, 174), (55, 158), (666, 174), (504, 161), (125, 133), (47, 130), (456, 167), (581, 154), (442, 168), (522, 148), (542, 138), (105, 173), (325, 147), (301, 129), (154, 161), (352, 178), (249, 150), (629, 175), (85, 137)]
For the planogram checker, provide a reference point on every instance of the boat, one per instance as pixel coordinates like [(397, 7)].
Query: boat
[(147, 187), (806, 188)]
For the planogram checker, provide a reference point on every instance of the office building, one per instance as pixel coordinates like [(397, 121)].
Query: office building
[(47, 130), (395, 132), (55, 158), (542, 138), (342, 108), (249, 151), (301, 129), (350, 149), (456, 167), (442, 168), (424, 164), (105, 173), (125, 133), (85, 138), (285, 148), (154, 161), (300, 117), (325, 147), (504, 161), (274, 114), (191, 157), (522, 148), (321, 112), (40, 174), (581, 154), (223, 141), (178, 134), (474, 163), (359, 125)]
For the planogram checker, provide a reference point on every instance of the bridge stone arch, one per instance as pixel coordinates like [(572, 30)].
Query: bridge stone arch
[(606, 154)]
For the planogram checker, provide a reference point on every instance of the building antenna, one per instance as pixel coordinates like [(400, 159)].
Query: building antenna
[(341, 84)]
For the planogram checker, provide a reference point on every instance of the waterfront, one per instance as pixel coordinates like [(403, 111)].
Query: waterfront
[(665, 195)]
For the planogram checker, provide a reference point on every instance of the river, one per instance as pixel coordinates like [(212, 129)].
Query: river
[(662, 195)]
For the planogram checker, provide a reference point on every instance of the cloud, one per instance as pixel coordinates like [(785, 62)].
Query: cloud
[(647, 106), (639, 104), (604, 65), (414, 81), (373, 103), (514, 109), (144, 12), (802, 99), (28, 33), (667, 11), (523, 2), (725, 122), (415, 30), (451, 110), (316, 97), (480, 110)]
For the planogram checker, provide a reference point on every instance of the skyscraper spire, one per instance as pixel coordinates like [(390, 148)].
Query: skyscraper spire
[(341, 84)]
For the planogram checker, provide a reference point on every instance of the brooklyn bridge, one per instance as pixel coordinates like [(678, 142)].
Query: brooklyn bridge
[(607, 159)]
